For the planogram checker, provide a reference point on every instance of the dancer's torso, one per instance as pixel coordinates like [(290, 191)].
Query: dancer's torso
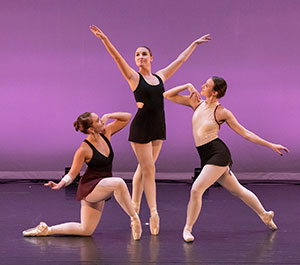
[(205, 125)]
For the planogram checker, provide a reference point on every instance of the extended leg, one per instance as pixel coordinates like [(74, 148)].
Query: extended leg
[(230, 182)]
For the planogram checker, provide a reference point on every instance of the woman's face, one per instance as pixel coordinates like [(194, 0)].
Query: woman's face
[(142, 57), (207, 88), (98, 124)]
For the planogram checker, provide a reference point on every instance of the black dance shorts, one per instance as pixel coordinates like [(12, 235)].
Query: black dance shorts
[(214, 152)]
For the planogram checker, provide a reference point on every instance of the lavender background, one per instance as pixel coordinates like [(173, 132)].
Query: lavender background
[(52, 69)]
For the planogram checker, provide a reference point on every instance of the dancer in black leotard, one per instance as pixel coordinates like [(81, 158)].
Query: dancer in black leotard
[(97, 183), (214, 154), (146, 137)]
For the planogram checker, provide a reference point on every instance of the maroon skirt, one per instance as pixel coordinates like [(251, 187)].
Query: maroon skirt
[(89, 181)]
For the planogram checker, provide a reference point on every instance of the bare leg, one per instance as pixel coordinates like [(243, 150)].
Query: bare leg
[(137, 183), (208, 175), (144, 154), (229, 182)]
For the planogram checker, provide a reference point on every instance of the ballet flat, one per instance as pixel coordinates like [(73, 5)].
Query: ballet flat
[(154, 224), (136, 227), (40, 230), (187, 236), (268, 220)]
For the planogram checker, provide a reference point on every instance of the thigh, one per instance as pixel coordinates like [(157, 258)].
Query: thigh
[(144, 153), (104, 189), (208, 176), (90, 214), (156, 147), (230, 182)]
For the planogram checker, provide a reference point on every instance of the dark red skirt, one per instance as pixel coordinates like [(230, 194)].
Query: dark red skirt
[(89, 181)]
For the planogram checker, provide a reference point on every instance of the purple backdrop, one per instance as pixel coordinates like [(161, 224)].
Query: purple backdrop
[(53, 69)]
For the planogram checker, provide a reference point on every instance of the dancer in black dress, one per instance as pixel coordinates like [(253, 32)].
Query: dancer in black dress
[(214, 154), (148, 127), (97, 183)]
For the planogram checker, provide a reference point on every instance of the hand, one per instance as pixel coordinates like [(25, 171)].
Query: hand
[(97, 32), (194, 94), (203, 39), (53, 185), (105, 118), (278, 147)]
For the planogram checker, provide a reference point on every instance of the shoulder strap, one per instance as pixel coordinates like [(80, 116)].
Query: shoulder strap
[(158, 78), (219, 123), (90, 145)]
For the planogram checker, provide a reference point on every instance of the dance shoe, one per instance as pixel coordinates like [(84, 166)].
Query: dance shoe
[(40, 230), (136, 227), (154, 223), (187, 235), (267, 218)]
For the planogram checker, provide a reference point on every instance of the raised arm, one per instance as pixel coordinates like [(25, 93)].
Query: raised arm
[(121, 119), (129, 73), (77, 164), (227, 116), (191, 101), (168, 71)]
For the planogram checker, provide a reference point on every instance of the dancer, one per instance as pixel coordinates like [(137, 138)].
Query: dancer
[(97, 183), (214, 154), (147, 129)]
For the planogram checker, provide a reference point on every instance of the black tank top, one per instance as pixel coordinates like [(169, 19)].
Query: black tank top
[(150, 95), (100, 162)]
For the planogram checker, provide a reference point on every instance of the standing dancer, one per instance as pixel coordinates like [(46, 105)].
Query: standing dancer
[(147, 129), (97, 183), (214, 154)]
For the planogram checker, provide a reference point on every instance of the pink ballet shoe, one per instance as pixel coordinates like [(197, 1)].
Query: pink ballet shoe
[(187, 235), (267, 218), (136, 227), (40, 230), (154, 223)]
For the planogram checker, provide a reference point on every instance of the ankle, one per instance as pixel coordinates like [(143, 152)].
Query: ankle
[(153, 211), (188, 228)]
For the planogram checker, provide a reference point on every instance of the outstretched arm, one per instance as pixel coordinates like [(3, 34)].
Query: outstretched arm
[(130, 74), (121, 119), (190, 101), (167, 72), (77, 164), (238, 128)]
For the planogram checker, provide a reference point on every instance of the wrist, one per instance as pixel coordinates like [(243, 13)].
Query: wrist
[(67, 179)]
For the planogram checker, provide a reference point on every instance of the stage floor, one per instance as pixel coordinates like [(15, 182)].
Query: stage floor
[(227, 231)]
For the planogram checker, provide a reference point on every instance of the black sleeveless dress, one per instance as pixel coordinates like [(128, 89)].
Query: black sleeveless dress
[(149, 121), (98, 168)]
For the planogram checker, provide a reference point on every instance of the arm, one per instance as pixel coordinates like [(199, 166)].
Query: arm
[(248, 135), (190, 101), (130, 74), (77, 164), (121, 120), (167, 72)]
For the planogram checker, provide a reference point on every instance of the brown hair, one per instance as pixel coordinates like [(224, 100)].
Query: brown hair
[(149, 50), (83, 122), (220, 86)]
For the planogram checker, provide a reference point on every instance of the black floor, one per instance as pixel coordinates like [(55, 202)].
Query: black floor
[(227, 231)]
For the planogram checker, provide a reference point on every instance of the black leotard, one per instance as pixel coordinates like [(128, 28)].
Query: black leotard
[(98, 168), (149, 121)]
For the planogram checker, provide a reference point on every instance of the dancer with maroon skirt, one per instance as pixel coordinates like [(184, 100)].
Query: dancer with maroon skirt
[(147, 130), (97, 183), (214, 154)]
